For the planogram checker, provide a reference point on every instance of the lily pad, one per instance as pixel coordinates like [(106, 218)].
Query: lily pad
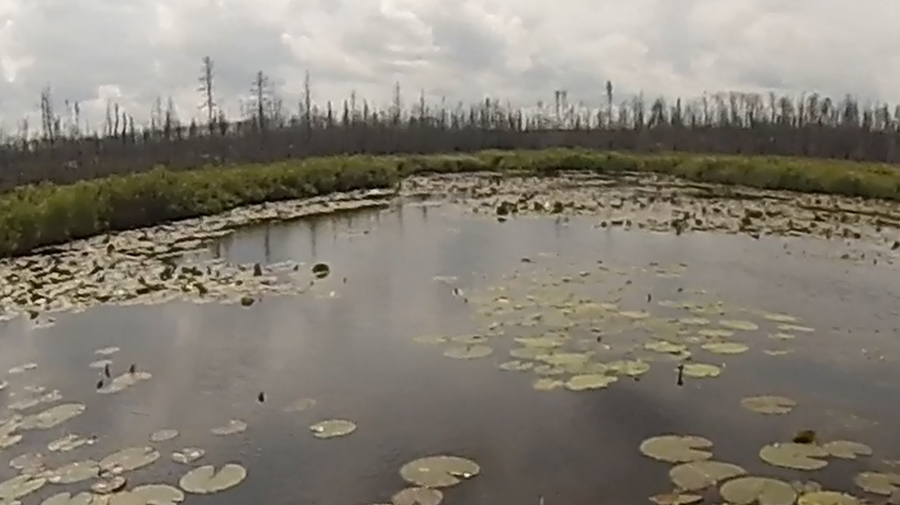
[(725, 347), (469, 339), (52, 417), (630, 368), (589, 381), (782, 336), (794, 455), (768, 404), (715, 333), (106, 351), (158, 494), (188, 455), (541, 342), (761, 490), (738, 325), (665, 347), (66, 498), (694, 321), (300, 405), (677, 448), (676, 498), (779, 318), (129, 459), (69, 442), (74, 472), (124, 381), (439, 471), (701, 370), (468, 352), (635, 314), (418, 496), (19, 486), (883, 483), (205, 479), (163, 435), (100, 364), (794, 327), (846, 449), (333, 428), (547, 384), (827, 498), (527, 352), (108, 486), (702, 474), (233, 426), (516, 365), (22, 368)]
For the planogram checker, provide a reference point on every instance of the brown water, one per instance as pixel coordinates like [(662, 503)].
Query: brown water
[(353, 353)]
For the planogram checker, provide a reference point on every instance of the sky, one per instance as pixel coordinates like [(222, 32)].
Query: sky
[(132, 51)]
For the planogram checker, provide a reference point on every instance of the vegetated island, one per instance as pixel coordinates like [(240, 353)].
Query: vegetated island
[(40, 215)]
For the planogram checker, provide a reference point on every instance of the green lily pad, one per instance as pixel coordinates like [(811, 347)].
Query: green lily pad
[(778, 352), (701, 370), (883, 483), (715, 333), (738, 325), (69, 442), (163, 435), (129, 459), (630, 368), (794, 455), (527, 352), (66, 498), (108, 486), (725, 347), (333, 428), (589, 381), (106, 351), (795, 327), (846, 449), (548, 370), (188, 455), (694, 321), (100, 364), (469, 339), (635, 314), (468, 352), (516, 365), (761, 490), (439, 471), (676, 498), (676, 448), (234, 426), (782, 336), (779, 318), (74, 472), (124, 381), (418, 496), (27, 460), (565, 358), (205, 479), (19, 486), (768, 404), (665, 347), (541, 342), (52, 417), (547, 384), (153, 494), (22, 368), (702, 474), (827, 498)]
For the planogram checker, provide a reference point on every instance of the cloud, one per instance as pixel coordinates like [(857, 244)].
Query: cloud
[(520, 50)]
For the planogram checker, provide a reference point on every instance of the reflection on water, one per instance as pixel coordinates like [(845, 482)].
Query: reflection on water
[(352, 352)]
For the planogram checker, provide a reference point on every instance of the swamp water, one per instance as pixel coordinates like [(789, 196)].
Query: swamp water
[(617, 310)]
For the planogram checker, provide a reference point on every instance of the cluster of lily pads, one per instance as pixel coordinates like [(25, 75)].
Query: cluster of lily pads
[(430, 476), (569, 327), (105, 481), (694, 471)]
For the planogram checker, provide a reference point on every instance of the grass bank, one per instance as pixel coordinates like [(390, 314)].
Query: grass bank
[(34, 216)]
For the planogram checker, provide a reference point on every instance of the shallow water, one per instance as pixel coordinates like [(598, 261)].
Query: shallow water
[(353, 353)]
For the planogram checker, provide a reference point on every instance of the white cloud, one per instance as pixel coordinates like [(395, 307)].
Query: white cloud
[(519, 50)]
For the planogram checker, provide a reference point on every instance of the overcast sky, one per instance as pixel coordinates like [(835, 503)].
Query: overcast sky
[(521, 50)]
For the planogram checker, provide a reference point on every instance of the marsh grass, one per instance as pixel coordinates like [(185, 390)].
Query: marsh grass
[(41, 215)]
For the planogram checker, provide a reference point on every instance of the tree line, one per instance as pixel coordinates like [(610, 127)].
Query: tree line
[(63, 150)]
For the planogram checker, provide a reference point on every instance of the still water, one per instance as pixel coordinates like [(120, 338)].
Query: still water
[(348, 345)]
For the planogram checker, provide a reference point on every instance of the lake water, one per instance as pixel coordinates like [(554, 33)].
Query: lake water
[(348, 345)]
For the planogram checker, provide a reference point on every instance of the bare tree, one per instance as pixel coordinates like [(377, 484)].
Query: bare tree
[(206, 89)]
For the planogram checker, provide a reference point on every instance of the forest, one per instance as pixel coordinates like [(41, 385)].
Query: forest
[(62, 150)]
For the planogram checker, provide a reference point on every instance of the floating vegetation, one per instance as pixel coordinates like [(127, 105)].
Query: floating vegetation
[(701, 370), (846, 449), (19, 486), (163, 435), (827, 498), (738, 325), (125, 381), (108, 486), (768, 404), (794, 455), (333, 428), (69, 442), (468, 352), (677, 448), (418, 496), (761, 490), (635, 314), (699, 475), (74, 472), (664, 346), (516, 366), (22, 368), (431, 339), (547, 384), (794, 327), (725, 347), (676, 498), (715, 333), (27, 460), (779, 318), (694, 321), (782, 336), (100, 364), (589, 381), (106, 351), (129, 459), (206, 480), (188, 455), (439, 471), (66, 498), (156, 494), (52, 417), (882, 483), (234, 426), (630, 368), (300, 405)]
